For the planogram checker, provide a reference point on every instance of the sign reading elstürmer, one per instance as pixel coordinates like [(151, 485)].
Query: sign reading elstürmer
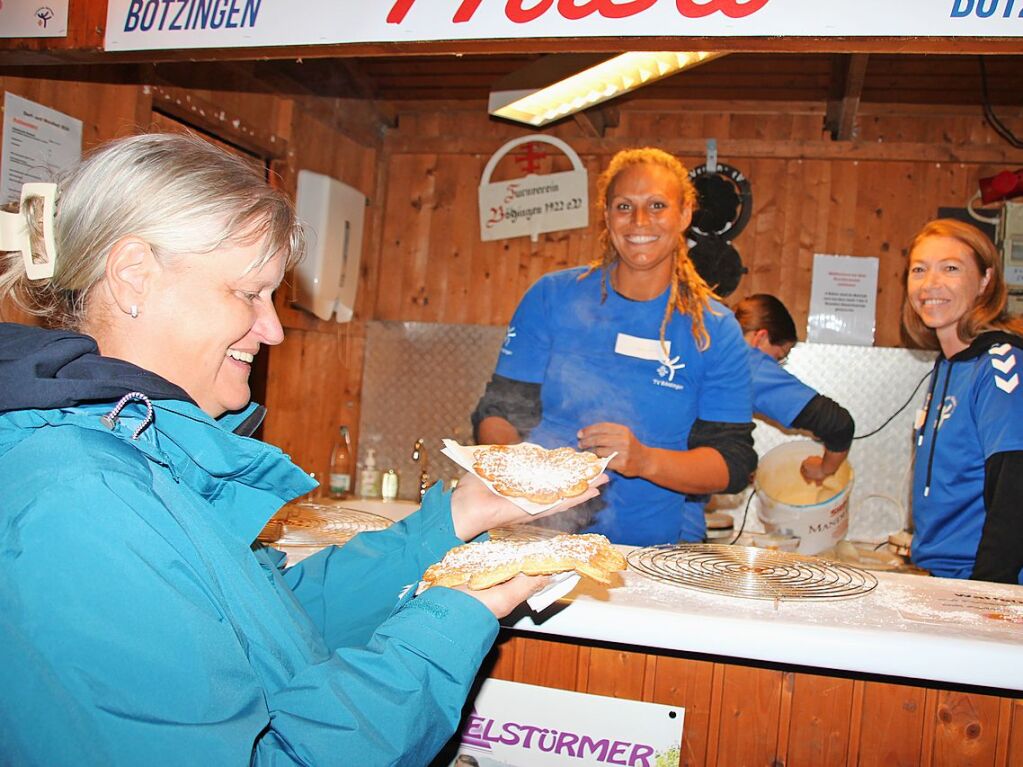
[(164, 24)]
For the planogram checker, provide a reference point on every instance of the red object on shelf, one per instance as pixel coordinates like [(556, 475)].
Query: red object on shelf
[(1001, 186)]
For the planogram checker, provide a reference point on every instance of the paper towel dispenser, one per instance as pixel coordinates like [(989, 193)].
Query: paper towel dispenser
[(333, 214)]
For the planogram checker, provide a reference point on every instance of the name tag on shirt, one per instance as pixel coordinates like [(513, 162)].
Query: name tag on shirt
[(642, 348)]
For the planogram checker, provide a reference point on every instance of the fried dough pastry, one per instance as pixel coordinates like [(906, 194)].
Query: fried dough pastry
[(535, 473), (482, 565)]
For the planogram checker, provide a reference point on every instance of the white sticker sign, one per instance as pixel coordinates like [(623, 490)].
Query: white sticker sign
[(32, 18), (171, 24), (533, 204), (843, 300), (38, 143), (523, 725)]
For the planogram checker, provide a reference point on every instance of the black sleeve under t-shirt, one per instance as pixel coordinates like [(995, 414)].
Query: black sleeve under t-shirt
[(828, 421), (1000, 552)]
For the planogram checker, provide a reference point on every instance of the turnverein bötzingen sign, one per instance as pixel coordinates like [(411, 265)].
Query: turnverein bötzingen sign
[(164, 24)]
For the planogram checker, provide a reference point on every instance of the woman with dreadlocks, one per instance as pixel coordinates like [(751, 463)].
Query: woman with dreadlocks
[(632, 355)]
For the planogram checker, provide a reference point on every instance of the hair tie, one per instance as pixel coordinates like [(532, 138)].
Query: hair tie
[(15, 234)]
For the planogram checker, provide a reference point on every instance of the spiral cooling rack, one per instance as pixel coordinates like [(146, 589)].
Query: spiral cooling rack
[(743, 571), (313, 524)]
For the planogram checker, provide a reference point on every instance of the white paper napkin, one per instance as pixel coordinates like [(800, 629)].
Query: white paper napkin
[(560, 584), (463, 456)]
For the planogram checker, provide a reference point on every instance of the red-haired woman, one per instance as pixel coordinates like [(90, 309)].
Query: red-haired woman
[(632, 355)]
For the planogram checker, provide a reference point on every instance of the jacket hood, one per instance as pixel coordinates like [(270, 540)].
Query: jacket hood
[(985, 341), (46, 369)]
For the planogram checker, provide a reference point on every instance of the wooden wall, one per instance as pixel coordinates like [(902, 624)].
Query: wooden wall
[(865, 197), (751, 715)]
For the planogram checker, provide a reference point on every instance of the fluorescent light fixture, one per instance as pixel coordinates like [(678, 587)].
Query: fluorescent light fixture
[(561, 84)]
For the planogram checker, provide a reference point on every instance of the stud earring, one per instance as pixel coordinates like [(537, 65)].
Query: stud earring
[(134, 311)]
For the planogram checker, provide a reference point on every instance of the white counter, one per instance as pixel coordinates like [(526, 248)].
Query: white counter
[(912, 626), (963, 632)]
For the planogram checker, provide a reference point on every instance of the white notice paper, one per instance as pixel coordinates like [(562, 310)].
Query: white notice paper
[(843, 300), (38, 143)]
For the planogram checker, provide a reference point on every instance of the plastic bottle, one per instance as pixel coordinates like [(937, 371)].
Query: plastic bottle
[(341, 466), (389, 485), (369, 477)]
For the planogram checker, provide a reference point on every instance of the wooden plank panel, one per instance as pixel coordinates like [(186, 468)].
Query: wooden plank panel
[(501, 659), (546, 663), (892, 723), (686, 683), (967, 730), (1014, 754), (301, 421), (750, 711), (405, 241), (618, 673), (820, 721)]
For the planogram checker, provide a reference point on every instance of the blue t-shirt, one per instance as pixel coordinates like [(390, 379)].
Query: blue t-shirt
[(981, 415), (776, 392), (603, 362)]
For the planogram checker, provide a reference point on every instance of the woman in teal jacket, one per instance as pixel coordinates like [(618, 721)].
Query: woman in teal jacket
[(138, 625)]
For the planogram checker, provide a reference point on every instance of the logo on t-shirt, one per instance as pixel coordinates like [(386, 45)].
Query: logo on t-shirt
[(669, 366), (1003, 361), (508, 339), (947, 408), (666, 369)]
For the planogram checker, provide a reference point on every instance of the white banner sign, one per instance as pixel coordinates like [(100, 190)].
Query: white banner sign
[(522, 725), (168, 24), (32, 18), (533, 204), (38, 143), (843, 300)]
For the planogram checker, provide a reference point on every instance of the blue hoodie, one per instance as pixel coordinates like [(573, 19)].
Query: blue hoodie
[(140, 627)]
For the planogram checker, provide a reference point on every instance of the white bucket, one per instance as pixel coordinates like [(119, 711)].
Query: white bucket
[(788, 505)]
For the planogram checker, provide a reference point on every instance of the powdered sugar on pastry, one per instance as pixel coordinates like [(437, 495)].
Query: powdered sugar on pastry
[(534, 473), (482, 565)]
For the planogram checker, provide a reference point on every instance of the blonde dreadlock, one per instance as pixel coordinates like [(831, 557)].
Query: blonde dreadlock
[(690, 293)]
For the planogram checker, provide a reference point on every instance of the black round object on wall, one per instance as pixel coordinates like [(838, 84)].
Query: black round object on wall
[(724, 198), (718, 204), (718, 263)]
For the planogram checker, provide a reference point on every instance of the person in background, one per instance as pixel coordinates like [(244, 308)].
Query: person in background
[(770, 332), (632, 355), (139, 625), (968, 464)]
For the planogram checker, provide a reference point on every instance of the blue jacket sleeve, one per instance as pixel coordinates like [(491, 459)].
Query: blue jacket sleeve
[(132, 649), (381, 563)]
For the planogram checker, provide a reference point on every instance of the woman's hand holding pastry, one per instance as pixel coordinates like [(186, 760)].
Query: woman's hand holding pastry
[(505, 597), (607, 438), (475, 509)]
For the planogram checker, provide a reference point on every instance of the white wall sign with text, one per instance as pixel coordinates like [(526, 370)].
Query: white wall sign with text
[(533, 204), (38, 143), (843, 300), (170, 24), (523, 725), (33, 18)]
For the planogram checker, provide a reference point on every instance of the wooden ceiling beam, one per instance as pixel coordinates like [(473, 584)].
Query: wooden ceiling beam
[(848, 75), (867, 151), (595, 121), (337, 102)]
